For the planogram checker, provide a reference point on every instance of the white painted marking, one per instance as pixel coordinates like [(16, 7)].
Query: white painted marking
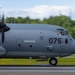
[(29, 41)]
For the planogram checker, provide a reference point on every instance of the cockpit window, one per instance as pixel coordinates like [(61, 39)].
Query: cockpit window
[(66, 32), (62, 32)]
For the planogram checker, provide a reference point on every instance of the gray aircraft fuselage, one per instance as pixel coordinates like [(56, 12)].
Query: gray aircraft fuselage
[(36, 41)]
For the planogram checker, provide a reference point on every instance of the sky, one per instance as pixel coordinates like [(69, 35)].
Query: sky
[(37, 8)]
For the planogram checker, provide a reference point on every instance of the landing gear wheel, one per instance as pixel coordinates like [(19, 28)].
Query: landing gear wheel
[(53, 61)]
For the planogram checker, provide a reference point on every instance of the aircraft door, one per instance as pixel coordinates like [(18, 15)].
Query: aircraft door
[(64, 46), (19, 44)]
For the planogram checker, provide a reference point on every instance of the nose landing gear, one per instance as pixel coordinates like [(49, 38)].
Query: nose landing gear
[(53, 61)]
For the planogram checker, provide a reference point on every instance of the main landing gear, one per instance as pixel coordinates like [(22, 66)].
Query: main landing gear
[(53, 61)]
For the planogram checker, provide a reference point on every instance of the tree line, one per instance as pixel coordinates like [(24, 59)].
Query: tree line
[(62, 20)]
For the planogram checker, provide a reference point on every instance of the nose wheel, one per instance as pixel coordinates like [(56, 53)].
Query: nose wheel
[(53, 61)]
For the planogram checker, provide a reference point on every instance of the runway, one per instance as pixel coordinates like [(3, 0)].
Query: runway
[(37, 70)]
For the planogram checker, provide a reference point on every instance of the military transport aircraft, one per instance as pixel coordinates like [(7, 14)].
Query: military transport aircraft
[(35, 41)]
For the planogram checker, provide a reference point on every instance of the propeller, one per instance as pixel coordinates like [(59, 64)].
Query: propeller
[(3, 28), (2, 36), (2, 18)]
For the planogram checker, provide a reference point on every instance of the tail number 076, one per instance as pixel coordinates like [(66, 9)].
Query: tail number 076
[(55, 40)]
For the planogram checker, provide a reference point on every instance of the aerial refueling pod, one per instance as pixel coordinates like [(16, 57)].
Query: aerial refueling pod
[(2, 51)]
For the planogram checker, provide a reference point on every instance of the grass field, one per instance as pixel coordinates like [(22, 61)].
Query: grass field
[(21, 62), (66, 61), (70, 60), (61, 61)]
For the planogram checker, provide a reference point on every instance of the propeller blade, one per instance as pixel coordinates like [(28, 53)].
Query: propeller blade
[(3, 28), (3, 18), (2, 36)]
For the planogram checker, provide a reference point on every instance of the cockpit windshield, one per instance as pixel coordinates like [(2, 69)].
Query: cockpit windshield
[(62, 32)]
